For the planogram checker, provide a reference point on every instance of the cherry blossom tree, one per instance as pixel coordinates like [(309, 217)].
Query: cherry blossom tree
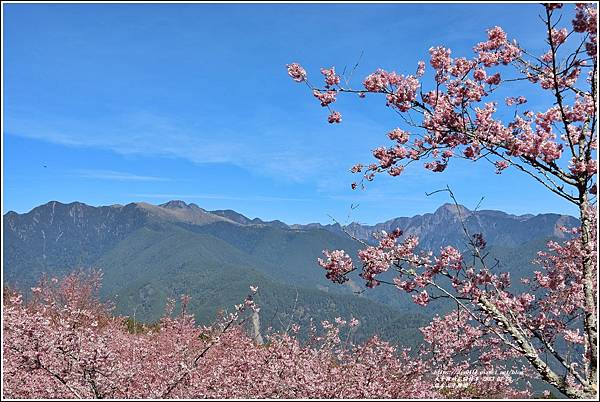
[(64, 343), (553, 326)]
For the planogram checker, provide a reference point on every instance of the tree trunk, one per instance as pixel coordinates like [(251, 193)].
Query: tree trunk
[(590, 319)]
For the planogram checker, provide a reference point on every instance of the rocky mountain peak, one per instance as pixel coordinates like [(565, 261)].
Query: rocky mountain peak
[(452, 210), (175, 204)]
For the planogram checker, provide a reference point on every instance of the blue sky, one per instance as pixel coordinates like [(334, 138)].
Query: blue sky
[(125, 102)]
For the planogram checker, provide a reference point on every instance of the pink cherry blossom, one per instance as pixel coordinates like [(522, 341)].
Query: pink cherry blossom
[(334, 117), (493, 80), (377, 81), (479, 74), (331, 78), (399, 135), (440, 58), (338, 264), (296, 71), (420, 69), (325, 98), (500, 166), (558, 36), (421, 299)]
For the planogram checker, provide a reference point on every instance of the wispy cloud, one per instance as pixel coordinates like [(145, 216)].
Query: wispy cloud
[(117, 176), (219, 197), (272, 153)]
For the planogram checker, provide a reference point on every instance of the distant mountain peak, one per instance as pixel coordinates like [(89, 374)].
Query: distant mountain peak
[(452, 209), (174, 204), (232, 215), (180, 211)]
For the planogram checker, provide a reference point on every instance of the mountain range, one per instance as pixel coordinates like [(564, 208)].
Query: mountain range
[(151, 252)]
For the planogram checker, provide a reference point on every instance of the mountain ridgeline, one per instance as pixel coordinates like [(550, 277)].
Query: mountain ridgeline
[(149, 253)]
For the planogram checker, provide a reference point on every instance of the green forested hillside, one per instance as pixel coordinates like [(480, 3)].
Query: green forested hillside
[(163, 261), (150, 253)]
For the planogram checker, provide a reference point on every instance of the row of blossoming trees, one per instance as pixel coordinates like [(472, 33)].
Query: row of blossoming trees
[(552, 326), (64, 343)]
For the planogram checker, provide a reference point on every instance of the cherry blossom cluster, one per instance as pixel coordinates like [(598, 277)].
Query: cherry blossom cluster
[(459, 115), (331, 78), (338, 264), (401, 90), (296, 72), (325, 97), (586, 20), (555, 296), (497, 49)]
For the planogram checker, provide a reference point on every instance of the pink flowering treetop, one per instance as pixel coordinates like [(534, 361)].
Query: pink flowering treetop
[(455, 114), (64, 343)]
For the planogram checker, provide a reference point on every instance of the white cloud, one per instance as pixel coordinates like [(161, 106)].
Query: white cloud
[(269, 153), (117, 176), (218, 197)]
